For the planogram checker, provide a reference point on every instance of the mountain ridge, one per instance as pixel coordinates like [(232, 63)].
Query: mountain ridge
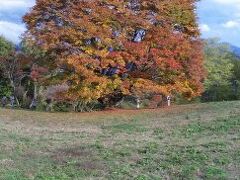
[(235, 50)]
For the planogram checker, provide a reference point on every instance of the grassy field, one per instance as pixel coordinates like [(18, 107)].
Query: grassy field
[(199, 141)]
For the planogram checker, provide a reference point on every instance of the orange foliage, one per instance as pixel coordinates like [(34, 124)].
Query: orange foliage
[(134, 46)]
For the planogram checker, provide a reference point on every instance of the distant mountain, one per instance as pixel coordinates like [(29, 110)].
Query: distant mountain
[(235, 50)]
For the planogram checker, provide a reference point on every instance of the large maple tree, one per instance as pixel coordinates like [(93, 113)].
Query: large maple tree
[(110, 47)]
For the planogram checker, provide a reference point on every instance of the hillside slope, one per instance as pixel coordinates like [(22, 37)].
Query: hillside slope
[(199, 141), (236, 50)]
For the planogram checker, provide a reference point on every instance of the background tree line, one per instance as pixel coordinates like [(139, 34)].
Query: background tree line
[(96, 54), (223, 73), (19, 74)]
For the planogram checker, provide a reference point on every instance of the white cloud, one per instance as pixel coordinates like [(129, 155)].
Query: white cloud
[(205, 28), (11, 31), (11, 12), (231, 24), (15, 4)]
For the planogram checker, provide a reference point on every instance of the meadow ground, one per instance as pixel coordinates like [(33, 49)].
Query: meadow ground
[(200, 141)]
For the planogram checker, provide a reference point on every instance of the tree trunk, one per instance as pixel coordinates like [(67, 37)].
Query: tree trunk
[(35, 90), (14, 92), (138, 102)]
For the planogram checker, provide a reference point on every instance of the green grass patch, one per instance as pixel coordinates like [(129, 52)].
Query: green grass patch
[(126, 128), (219, 126), (198, 141)]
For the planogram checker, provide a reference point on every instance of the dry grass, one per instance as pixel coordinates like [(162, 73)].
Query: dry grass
[(199, 141)]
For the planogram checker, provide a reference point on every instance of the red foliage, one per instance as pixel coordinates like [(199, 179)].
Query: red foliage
[(134, 47), (37, 72)]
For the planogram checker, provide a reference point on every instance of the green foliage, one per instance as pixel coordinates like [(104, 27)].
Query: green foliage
[(62, 107), (5, 46), (220, 65), (5, 89), (179, 99), (32, 51), (236, 70)]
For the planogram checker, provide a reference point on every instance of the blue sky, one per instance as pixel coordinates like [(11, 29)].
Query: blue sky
[(220, 18), (217, 18)]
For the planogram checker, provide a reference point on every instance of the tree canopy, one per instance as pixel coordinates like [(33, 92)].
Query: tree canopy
[(5, 46), (223, 68), (98, 48)]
